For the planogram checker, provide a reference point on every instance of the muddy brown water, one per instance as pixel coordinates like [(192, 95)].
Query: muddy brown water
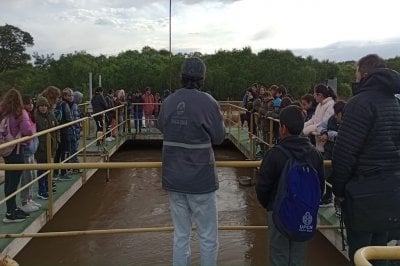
[(134, 199)]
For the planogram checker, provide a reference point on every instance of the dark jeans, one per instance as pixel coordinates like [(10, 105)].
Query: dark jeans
[(12, 178), (328, 175), (42, 183), (74, 149), (129, 120), (138, 115), (62, 152), (99, 124), (358, 239)]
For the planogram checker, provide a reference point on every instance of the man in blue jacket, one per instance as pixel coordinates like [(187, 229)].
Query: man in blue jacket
[(191, 122)]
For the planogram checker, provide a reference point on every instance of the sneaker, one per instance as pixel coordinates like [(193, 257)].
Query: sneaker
[(29, 208), (109, 139), (65, 178), (19, 211), (43, 196), (77, 171), (14, 218), (326, 201), (31, 202)]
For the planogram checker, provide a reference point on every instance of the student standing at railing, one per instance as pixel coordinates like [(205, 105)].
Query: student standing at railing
[(157, 105), (325, 97), (12, 107), (137, 105), (129, 99), (44, 119), (120, 98), (284, 250), (148, 107), (66, 133), (29, 149), (76, 114), (329, 130), (99, 104), (308, 104)]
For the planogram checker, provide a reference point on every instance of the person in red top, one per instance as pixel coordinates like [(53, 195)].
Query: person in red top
[(148, 107), (20, 123)]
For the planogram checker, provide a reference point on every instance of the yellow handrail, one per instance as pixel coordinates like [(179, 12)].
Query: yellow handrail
[(120, 165), (363, 255), (138, 230)]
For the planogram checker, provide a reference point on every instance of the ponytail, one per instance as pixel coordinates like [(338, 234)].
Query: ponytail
[(332, 93), (326, 91)]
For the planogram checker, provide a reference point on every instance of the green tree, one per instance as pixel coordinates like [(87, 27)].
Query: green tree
[(42, 61), (13, 42)]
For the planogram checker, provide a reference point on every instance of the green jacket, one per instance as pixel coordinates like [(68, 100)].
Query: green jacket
[(43, 122)]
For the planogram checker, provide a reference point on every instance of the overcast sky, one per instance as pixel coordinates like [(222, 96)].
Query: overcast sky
[(325, 29)]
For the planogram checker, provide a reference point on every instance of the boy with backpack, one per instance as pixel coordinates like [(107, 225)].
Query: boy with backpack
[(290, 185)]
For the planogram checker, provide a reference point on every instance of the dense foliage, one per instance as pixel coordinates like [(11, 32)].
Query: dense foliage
[(13, 42), (229, 73)]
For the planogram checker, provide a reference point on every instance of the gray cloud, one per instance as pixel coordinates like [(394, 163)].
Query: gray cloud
[(264, 34), (104, 22), (192, 2), (126, 3), (345, 51)]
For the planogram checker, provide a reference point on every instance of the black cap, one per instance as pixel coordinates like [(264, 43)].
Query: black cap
[(193, 68)]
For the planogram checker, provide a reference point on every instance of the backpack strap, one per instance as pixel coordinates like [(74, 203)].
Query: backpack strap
[(290, 155), (285, 151)]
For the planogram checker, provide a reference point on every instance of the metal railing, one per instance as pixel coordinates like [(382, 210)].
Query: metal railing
[(365, 254), (260, 128), (85, 121), (361, 257)]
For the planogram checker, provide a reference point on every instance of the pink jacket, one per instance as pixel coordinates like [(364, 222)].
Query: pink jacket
[(24, 125), (149, 107)]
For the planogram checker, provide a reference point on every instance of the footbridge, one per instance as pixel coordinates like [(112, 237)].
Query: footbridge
[(95, 151)]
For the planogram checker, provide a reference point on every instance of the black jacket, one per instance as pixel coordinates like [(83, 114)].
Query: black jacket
[(98, 103), (368, 139), (274, 162)]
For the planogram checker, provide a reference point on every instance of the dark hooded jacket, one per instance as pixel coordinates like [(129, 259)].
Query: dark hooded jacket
[(368, 139), (274, 162)]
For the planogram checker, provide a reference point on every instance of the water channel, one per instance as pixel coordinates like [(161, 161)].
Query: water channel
[(134, 198)]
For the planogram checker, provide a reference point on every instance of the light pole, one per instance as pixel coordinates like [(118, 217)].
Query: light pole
[(170, 52)]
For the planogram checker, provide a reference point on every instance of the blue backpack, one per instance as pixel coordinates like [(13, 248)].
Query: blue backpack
[(297, 199)]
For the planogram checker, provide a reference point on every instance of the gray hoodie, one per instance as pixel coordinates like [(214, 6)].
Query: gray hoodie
[(191, 121)]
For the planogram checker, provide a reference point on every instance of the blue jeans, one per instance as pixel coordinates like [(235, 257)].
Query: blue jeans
[(138, 115), (74, 149), (202, 210)]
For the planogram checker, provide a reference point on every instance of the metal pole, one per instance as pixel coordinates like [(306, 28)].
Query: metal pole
[(99, 80), (170, 52), (90, 86)]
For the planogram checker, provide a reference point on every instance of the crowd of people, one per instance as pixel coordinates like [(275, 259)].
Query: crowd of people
[(25, 116), (52, 107), (318, 108), (361, 138)]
